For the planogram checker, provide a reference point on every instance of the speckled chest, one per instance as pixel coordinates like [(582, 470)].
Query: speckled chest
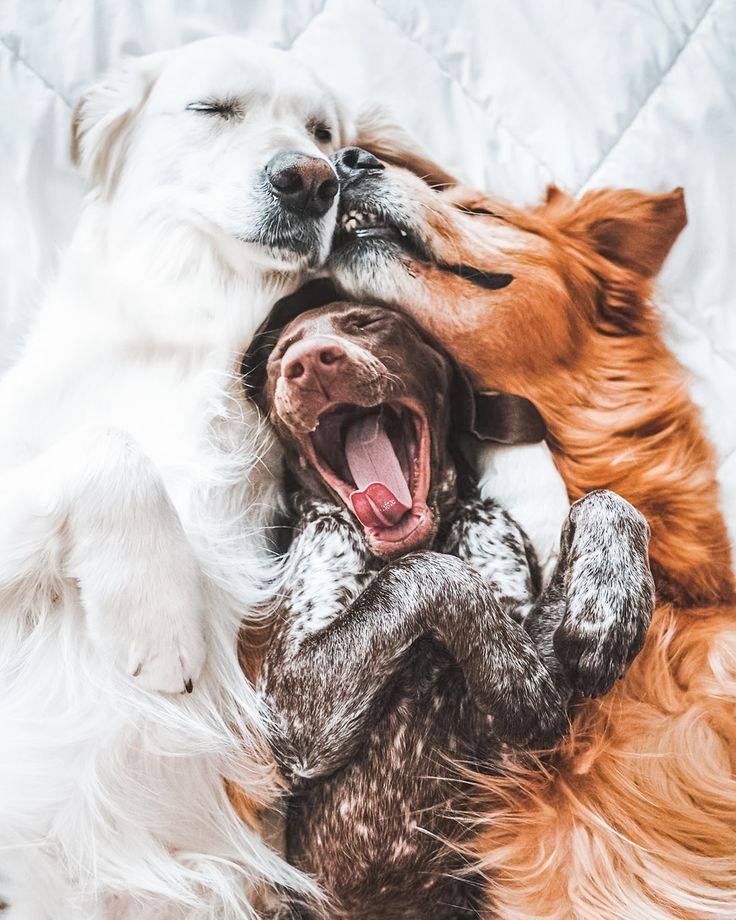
[(373, 833), (378, 833)]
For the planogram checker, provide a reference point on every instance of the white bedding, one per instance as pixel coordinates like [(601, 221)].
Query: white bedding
[(512, 95)]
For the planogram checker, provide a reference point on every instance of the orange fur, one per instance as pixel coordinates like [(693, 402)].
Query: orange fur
[(637, 818), (634, 817)]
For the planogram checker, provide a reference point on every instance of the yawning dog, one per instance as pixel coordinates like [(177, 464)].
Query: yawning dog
[(383, 666)]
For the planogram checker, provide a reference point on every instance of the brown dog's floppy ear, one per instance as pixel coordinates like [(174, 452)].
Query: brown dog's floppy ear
[(377, 132), (501, 417), (631, 228), (508, 419), (314, 294)]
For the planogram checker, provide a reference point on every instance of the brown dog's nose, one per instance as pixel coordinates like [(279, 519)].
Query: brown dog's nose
[(305, 185), (312, 362)]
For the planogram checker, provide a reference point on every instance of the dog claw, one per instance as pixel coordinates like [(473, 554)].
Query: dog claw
[(161, 672)]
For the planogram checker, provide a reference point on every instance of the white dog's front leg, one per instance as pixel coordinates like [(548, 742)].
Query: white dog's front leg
[(94, 509)]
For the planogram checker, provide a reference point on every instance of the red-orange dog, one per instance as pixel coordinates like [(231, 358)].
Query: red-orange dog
[(636, 818)]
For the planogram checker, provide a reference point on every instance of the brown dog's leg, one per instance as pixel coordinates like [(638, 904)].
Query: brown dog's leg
[(323, 687), (591, 622)]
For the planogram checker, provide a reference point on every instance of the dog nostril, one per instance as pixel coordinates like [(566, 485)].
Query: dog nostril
[(350, 157), (330, 357), (287, 180), (294, 370), (328, 189), (354, 159)]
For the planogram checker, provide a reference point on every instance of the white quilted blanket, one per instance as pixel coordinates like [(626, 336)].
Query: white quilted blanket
[(512, 95)]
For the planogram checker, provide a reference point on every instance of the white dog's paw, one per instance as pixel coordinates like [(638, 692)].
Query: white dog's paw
[(150, 618), (165, 635), (168, 657)]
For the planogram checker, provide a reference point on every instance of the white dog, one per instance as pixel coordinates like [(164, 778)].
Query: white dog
[(133, 492)]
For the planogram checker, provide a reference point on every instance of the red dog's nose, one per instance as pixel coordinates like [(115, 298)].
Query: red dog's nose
[(315, 360)]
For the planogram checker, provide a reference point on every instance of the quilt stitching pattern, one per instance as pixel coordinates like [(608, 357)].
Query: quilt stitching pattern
[(442, 67), (519, 141), (648, 97), (308, 24), (24, 63)]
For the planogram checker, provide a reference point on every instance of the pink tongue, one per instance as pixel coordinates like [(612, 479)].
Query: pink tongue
[(382, 496)]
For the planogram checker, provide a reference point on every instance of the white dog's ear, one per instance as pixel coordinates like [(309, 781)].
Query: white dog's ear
[(103, 118), (377, 131)]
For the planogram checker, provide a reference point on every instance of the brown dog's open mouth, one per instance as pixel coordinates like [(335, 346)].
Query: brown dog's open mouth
[(377, 460)]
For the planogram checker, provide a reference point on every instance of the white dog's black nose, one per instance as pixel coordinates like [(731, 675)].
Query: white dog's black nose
[(354, 162), (306, 185)]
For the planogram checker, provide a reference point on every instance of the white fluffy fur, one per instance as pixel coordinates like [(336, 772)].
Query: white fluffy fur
[(133, 502), (524, 480)]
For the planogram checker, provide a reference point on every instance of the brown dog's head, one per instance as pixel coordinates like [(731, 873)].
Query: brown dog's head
[(365, 404), (507, 291)]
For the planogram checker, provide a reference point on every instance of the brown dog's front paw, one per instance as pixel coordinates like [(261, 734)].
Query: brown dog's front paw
[(609, 592)]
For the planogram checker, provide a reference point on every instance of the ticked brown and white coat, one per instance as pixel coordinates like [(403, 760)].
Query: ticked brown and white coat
[(411, 639)]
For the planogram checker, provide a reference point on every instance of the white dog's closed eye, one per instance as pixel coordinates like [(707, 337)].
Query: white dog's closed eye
[(191, 138)]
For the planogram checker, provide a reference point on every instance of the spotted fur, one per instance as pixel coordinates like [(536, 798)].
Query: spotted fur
[(600, 626), (493, 543), (326, 547), (380, 675)]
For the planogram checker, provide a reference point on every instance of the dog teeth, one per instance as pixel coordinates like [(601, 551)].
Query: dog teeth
[(403, 232), (351, 220)]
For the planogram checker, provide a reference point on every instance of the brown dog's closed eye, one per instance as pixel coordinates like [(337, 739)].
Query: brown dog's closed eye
[(491, 281)]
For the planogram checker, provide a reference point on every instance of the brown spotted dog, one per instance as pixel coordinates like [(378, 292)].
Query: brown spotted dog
[(410, 637)]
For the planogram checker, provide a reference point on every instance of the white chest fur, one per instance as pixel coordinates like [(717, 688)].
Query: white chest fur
[(107, 411)]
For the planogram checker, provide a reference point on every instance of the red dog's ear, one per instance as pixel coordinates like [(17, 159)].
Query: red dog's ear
[(631, 228)]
